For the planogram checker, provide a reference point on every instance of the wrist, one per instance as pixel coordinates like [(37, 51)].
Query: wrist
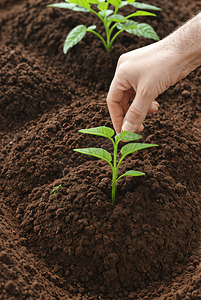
[(184, 45)]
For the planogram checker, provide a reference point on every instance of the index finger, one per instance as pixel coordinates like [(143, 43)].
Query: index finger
[(118, 103)]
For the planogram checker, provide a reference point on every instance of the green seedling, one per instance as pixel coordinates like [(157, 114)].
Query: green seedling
[(114, 23), (54, 191), (105, 155)]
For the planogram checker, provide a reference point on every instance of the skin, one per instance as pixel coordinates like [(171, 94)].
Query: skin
[(143, 74)]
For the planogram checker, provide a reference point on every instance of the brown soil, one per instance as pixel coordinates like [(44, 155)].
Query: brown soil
[(76, 244)]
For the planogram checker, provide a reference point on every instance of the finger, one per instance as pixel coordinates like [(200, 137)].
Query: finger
[(137, 112), (140, 128), (118, 110), (117, 101), (125, 107), (153, 108), (156, 103)]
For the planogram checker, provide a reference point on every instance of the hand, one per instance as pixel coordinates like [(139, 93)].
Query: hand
[(141, 75)]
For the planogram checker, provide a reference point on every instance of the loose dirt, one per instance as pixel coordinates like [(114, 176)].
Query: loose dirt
[(76, 244)]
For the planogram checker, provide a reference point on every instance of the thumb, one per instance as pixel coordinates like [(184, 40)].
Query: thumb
[(136, 114)]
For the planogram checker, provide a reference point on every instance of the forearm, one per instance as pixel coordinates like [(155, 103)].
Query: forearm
[(148, 71), (185, 44)]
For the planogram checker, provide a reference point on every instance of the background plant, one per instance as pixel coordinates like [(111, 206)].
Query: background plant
[(105, 155), (108, 14), (54, 191)]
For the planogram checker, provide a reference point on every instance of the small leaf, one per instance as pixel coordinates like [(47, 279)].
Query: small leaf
[(132, 147), (97, 152), (117, 18), (106, 13), (116, 3), (92, 27), (56, 188), (127, 136), (63, 5), (103, 6), (80, 8), (131, 173), (123, 3), (145, 30), (144, 6), (101, 131), (74, 37), (130, 26), (83, 3), (140, 13)]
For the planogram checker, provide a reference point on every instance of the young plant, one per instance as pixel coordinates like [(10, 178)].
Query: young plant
[(105, 155), (113, 22), (54, 191)]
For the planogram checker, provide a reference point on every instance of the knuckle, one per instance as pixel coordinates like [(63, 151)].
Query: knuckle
[(148, 90), (135, 113), (122, 60), (144, 92)]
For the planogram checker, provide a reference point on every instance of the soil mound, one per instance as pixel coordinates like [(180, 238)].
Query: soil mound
[(145, 236), (26, 88), (45, 29), (100, 248)]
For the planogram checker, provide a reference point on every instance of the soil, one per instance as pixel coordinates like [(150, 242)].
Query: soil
[(75, 244)]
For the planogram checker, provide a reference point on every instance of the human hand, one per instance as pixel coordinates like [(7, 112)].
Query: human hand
[(141, 75)]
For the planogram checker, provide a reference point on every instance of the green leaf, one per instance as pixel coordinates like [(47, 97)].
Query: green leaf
[(144, 6), (92, 27), (117, 18), (103, 6), (63, 5), (101, 131), (140, 13), (97, 152), (131, 173), (106, 12), (123, 3), (73, 6), (146, 31), (116, 3), (83, 3), (93, 1), (127, 136), (141, 29), (132, 147), (56, 188), (130, 26), (80, 8), (74, 37)]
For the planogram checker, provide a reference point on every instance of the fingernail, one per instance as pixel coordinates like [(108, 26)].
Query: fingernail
[(153, 106), (156, 103), (127, 126)]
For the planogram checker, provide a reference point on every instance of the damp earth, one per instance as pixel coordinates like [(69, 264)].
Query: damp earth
[(75, 244)]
